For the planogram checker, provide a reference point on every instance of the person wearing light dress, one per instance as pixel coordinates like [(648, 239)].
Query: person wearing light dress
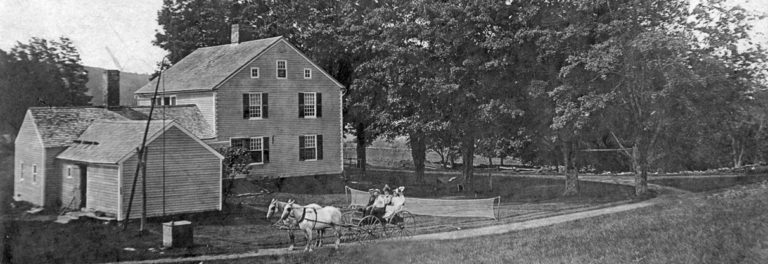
[(396, 203)]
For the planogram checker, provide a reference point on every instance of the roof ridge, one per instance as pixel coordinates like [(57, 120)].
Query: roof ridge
[(242, 42)]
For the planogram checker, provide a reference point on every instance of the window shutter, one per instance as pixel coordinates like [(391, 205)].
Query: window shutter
[(264, 105), (246, 110), (265, 145), (301, 105), (319, 147), (319, 105), (301, 147)]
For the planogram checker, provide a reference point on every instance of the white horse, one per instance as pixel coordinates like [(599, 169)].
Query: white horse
[(311, 219), (290, 222)]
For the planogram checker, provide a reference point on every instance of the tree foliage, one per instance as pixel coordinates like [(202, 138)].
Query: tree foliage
[(40, 73)]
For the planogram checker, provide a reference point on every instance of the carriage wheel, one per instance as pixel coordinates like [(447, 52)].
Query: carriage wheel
[(403, 227), (369, 228)]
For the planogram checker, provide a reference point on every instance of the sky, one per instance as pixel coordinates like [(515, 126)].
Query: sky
[(127, 28)]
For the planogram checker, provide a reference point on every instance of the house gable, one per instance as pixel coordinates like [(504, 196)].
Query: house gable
[(29, 152)]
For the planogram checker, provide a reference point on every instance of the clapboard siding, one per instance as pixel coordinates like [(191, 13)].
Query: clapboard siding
[(183, 178), (142, 101), (283, 124), (101, 188), (203, 100), (70, 186), (52, 177), (29, 151)]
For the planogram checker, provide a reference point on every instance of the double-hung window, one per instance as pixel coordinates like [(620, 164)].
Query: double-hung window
[(255, 105), (311, 147), (307, 73), (310, 105), (34, 173), (21, 173), (257, 147), (69, 172), (282, 69)]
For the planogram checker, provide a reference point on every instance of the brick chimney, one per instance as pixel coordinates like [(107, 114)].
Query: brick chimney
[(235, 34), (112, 89)]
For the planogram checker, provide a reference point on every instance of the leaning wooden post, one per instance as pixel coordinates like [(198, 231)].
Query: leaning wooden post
[(143, 145), (133, 188)]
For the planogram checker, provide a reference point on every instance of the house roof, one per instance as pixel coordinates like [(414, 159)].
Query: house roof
[(109, 142), (206, 68), (187, 116), (59, 126)]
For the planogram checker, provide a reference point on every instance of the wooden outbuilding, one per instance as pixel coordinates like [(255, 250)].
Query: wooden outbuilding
[(183, 173)]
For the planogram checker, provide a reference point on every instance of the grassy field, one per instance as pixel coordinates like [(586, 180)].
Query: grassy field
[(709, 183), (726, 227), (242, 226)]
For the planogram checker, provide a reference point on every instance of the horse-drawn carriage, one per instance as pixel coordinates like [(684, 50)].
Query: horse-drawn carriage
[(364, 227), (362, 223)]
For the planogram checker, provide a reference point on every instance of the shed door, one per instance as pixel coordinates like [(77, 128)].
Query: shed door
[(83, 184)]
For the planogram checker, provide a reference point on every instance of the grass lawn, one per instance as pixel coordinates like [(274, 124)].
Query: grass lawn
[(708, 183), (510, 188), (726, 227)]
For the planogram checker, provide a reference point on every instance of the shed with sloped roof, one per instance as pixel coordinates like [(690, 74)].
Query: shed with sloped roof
[(183, 173)]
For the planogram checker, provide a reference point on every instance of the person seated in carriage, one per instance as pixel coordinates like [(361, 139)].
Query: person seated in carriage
[(396, 205), (378, 206)]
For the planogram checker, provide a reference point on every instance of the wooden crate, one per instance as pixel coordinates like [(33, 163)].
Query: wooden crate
[(177, 234)]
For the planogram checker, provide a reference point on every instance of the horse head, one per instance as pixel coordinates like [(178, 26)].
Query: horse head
[(273, 207), (287, 210)]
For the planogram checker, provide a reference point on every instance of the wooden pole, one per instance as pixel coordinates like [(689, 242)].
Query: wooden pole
[(133, 188), (141, 149), (144, 190)]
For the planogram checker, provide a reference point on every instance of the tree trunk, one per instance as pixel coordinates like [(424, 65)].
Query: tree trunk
[(640, 163), (468, 158), (442, 159), (418, 153), (501, 161), (571, 179), (490, 162), (361, 143), (453, 160)]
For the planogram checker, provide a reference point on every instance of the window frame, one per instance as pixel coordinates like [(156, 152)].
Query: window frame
[(277, 69), (21, 175), (260, 107), (313, 105), (263, 150), (258, 72), (34, 173), (314, 141), (69, 172), (307, 71), (160, 100)]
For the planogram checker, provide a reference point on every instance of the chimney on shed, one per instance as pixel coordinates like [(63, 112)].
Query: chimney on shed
[(235, 33), (112, 89)]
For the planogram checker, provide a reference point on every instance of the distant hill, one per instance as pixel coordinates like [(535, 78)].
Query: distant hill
[(129, 83)]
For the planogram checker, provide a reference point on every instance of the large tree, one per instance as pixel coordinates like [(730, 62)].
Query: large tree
[(646, 64), (40, 73)]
